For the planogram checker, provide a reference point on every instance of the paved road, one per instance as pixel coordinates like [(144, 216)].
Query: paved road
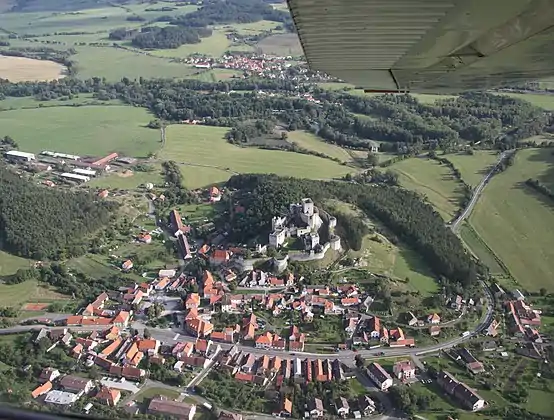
[(455, 226)]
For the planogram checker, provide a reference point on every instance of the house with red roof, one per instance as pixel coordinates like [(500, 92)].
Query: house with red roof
[(199, 328), (108, 396), (220, 256)]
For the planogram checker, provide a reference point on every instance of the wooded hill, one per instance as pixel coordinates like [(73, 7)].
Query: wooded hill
[(412, 220), (40, 223)]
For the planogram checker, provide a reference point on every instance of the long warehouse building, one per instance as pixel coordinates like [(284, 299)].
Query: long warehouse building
[(86, 172), (75, 177), (20, 156)]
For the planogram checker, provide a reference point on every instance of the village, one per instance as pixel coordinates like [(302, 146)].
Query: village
[(223, 321)]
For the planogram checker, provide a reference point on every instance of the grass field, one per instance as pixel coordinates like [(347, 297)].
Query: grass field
[(281, 44), (433, 180), (28, 102), (116, 63), (21, 69), (82, 130), (312, 142), (544, 101), (152, 392), (382, 257), (473, 167), (351, 89), (479, 248), (9, 263), (202, 145), (28, 291), (517, 223), (216, 75)]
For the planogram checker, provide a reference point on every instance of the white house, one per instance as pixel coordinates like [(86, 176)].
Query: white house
[(380, 376), (404, 369)]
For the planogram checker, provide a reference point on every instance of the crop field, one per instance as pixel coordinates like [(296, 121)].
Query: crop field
[(97, 20), (281, 44), (201, 146), (215, 75), (21, 69), (517, 223), (434, 181), (473, 167), (83, 130), (312, 142)]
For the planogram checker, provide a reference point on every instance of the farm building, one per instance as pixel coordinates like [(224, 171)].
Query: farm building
[(75, 177), (105, 160), (60, 155), (87, 172), (16, 155)]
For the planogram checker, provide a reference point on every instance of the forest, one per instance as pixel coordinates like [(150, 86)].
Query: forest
[(43, 223), (152, 37), (402, 212), (213, 12), (400, 121)]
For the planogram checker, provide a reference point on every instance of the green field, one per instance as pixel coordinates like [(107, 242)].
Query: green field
[(545, 101), (152, 392), (28, 291), (9, 263), (281, 44), (216, 75), (382, 257), (116, 63), (82, 130), (473, 167), (434, 181), (194, 146), (518, 223), (312, 142), (28, 102), (474, 242), (352, 90)]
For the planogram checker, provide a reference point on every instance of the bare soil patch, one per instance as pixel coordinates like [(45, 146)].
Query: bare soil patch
[(21, 69)]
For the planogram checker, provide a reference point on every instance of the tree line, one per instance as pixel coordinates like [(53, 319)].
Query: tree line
[(217, 12), (410, 219), (400, 121), (42, 223)]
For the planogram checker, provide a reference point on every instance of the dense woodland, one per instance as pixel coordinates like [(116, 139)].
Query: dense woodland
[(152, 37), (41, 223), (405, 215), (213, 12)]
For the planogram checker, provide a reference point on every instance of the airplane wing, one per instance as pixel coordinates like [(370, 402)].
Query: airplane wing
[(428, 46)]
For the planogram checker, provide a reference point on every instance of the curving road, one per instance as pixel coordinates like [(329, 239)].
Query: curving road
[(455, 225), (345, 356)]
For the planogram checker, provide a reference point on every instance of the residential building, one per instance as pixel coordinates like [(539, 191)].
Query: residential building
[(467, 396), (42, 389), (286, 408), (164, 407), (48, 375), (434, 319), (434, 330), (122, 319), (343, 408), (227, 415), (76, 384), (367, 405), (61, 398), (315, 408), (109, 396), (404, 369), (380, 376), (199, 328)]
